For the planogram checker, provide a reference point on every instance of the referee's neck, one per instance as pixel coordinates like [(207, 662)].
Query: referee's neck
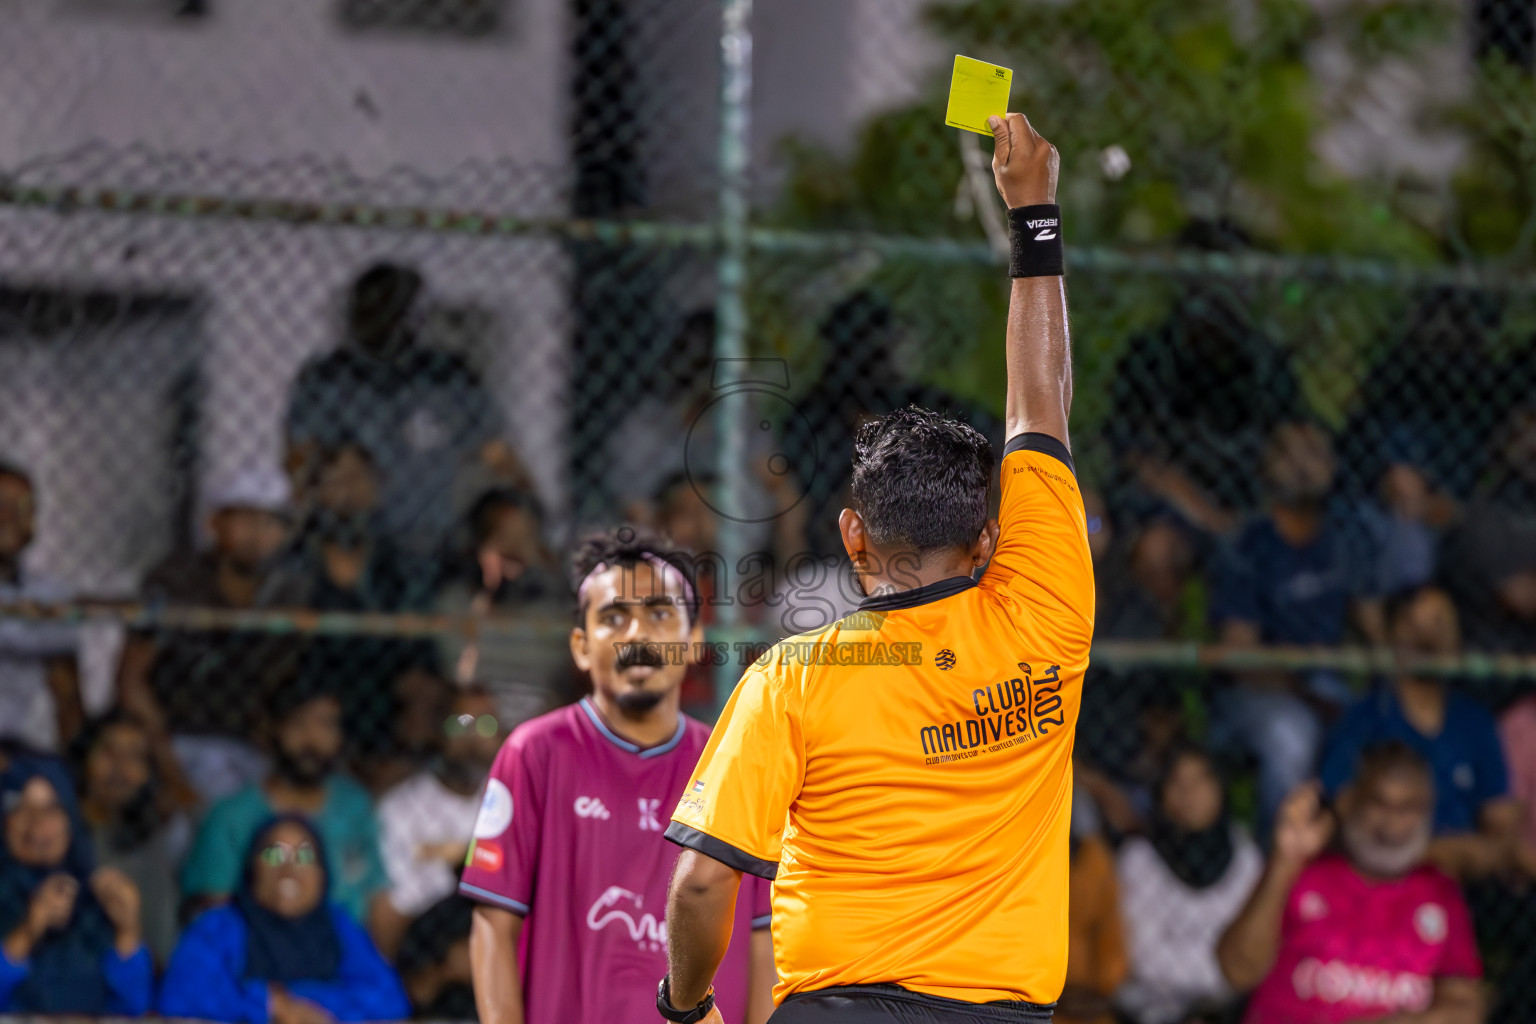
[(892, 572)]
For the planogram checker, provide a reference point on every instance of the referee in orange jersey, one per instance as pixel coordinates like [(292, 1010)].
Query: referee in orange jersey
[(905, 775)]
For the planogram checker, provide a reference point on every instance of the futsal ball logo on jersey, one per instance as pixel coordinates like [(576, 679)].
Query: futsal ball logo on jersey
[(495, 810), (1429, 921), (945, 659)]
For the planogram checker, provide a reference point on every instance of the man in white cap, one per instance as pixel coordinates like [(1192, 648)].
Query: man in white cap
[(195, 691)]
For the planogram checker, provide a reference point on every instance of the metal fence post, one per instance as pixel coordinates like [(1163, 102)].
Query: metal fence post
[(731, 468)]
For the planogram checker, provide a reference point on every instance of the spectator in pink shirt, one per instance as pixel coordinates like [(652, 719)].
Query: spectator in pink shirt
[(1517, 730), (1367, 932)]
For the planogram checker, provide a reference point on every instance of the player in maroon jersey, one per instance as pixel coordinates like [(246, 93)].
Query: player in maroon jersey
[(568, 860)]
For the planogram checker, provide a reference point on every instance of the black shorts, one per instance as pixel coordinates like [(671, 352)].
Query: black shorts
[(889, 1004)]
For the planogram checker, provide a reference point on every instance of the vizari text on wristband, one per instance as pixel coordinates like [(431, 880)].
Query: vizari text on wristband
[(1034, 238)]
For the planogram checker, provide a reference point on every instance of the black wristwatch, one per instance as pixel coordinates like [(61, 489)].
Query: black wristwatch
[(666, 1009)]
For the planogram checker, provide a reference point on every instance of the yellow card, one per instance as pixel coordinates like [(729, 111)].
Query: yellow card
[(976, 92)]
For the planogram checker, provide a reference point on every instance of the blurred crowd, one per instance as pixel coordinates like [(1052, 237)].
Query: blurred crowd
[(1230, 514), (262, 821)]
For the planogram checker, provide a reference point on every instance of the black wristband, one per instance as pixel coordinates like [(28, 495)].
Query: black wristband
[(667, 1010), (1034, 241)]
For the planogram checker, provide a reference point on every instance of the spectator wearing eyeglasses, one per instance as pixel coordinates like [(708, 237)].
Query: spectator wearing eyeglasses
[(426, 820), (282, 951)]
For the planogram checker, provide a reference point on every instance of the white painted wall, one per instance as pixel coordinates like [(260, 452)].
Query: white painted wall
[(272, 97)]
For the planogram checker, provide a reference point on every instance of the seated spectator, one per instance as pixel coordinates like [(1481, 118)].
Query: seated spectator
[(434, 962), (1195, 399), (1293, 576), (342, 558), (1096, 963), (1490, 559), (1404, 523), (198, 691), (423, 412), (304, 725), (1368, 931), (426, 821), (281, 951), (1517, 731), (507, 570), (120, 801), (1144, 577), (1509, 909), (1476, 821), (1432, 398), (1179, 889), (652, 439), (70, 938), (343, 561), (40, 702), (411, 734)]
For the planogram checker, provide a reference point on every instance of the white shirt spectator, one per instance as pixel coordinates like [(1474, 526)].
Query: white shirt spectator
[(27, 710), (419, 813), (1172, 929)]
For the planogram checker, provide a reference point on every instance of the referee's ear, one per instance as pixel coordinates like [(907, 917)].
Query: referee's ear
[(855, 540), (986, 543)]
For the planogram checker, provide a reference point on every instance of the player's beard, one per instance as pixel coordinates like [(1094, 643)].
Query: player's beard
[(304, 769), (1383, 859), (638, 702)]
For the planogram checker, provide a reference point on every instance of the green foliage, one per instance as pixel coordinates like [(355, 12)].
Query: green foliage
[(1217, 124), (1218, 115), (1496, 189)]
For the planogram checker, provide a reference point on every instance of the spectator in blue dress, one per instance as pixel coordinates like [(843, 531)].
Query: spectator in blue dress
[(71, 935), (1294, 576), (1477, 820), (281, 951)]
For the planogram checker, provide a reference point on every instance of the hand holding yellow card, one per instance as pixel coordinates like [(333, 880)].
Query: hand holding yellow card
[(976, 92)]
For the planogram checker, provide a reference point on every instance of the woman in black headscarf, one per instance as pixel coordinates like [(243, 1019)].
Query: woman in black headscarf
[(281, 951), (71, 934), (1180, 887)]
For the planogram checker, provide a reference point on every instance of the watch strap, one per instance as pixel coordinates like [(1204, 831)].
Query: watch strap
[(666, 1009)]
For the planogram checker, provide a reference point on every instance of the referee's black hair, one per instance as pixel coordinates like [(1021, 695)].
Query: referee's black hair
[(627, 546), (920, 480)]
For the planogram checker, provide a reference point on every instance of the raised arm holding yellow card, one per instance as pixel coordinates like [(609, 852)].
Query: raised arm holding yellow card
[(977, 91)]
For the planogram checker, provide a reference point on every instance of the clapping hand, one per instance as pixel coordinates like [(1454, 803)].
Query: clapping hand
[(119, 899), (51, 907), (53, 904), (1303, 827)]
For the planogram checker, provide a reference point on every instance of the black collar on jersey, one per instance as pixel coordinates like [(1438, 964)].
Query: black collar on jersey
[(1045, 444), (922, 595)]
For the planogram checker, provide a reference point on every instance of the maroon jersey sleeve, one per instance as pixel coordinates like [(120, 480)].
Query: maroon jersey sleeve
[(1460, 958), (503, 857)]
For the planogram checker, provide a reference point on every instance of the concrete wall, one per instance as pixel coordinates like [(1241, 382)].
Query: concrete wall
[(275, 98)]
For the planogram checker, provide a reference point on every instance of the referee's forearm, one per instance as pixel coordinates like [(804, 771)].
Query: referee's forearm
[(1039, 357), (700, 911)]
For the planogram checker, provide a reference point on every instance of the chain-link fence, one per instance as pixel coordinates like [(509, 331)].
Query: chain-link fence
[(326, 328)]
